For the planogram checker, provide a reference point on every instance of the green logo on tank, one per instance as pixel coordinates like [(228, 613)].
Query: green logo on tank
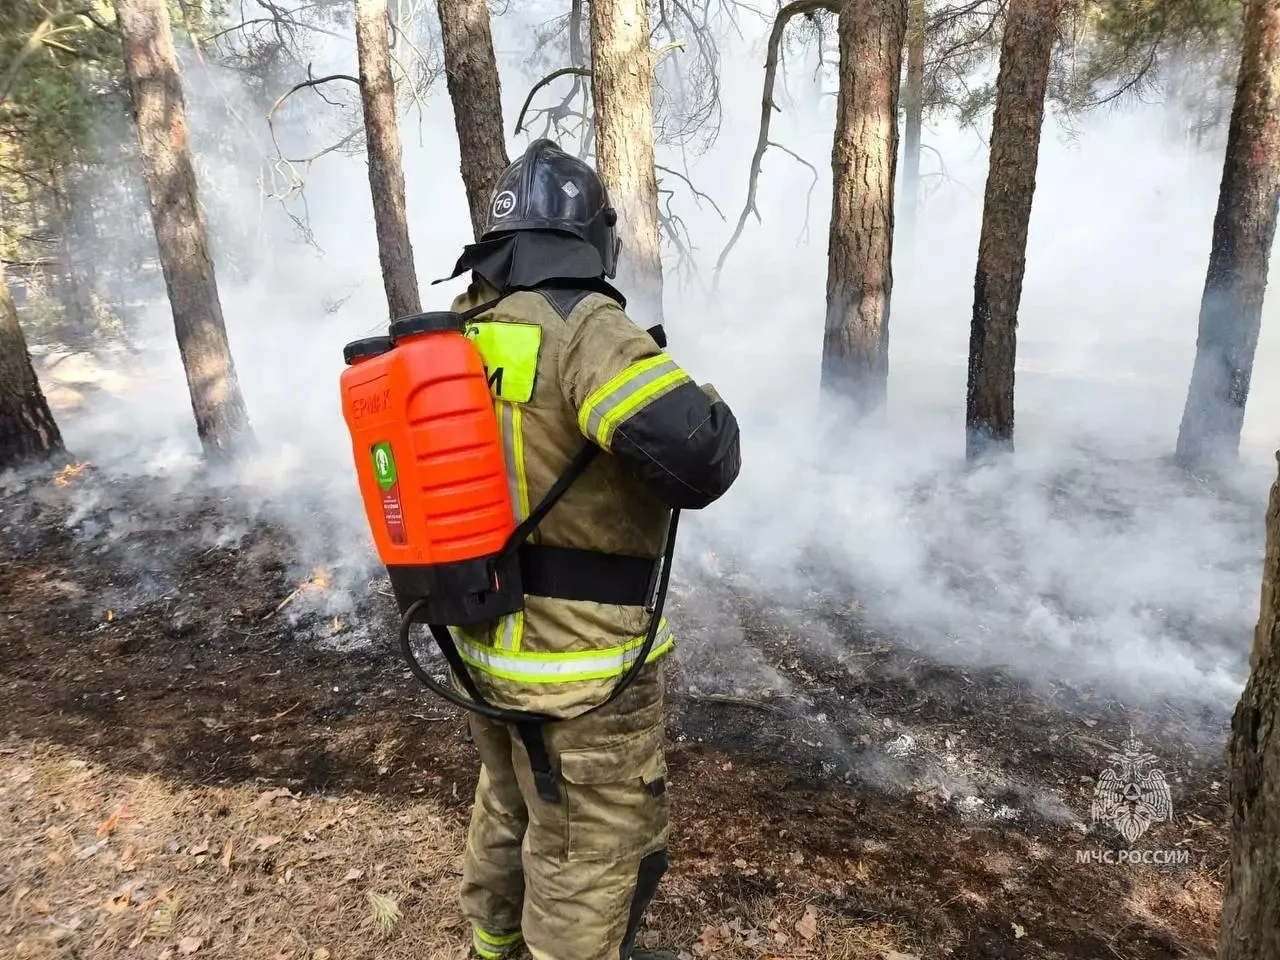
[(384, 465)]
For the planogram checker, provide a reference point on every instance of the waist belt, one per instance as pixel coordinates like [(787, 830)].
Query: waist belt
[(564, 573)]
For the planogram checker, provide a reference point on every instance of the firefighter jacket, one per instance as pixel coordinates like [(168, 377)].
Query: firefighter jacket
[(566, 366)]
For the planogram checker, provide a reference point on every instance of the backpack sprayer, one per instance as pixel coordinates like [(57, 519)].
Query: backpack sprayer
[(432, 476)]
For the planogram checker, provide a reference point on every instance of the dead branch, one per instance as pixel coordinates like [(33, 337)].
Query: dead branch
[(277, 22), (697, 194), (767, 106), (728, 700), (310, 82), (808, 197), (576, 71), (677, 232), (550, 77)]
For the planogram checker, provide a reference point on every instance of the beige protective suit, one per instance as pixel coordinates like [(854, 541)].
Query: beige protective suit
[(573, 878)]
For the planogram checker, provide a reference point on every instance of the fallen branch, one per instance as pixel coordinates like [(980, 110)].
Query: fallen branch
[(767, 106), (726, 699), (284, 603), (280, 715)]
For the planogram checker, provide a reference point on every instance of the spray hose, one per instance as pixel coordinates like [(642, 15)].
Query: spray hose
[(475, 701)]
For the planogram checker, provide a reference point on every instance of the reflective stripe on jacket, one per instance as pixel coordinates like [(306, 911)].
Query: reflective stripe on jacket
[(565, 367)]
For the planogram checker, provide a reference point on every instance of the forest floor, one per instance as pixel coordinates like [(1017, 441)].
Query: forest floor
[(199, 757)]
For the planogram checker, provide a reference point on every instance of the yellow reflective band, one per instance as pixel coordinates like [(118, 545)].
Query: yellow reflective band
[(522, 481), (634, 388), (563, 667), (510, 354), (509, 631), (497, 940)]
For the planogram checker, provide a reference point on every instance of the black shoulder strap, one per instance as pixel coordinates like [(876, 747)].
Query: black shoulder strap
[(482, 308), (577, 466)]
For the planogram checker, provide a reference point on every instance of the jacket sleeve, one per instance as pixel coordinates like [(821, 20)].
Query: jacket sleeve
[(634, 401)]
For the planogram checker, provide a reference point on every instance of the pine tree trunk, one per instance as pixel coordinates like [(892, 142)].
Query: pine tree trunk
[(27, 427), (160, 114), (855, 346), (913, 96), (1250, 929), (386, 166), (622, 89), (1243, 230), (471, 70), (1025, 51)]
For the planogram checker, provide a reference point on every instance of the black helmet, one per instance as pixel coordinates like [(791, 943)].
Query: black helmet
[(547, 189)]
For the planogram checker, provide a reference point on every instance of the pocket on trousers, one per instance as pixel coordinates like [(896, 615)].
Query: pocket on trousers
[(616, 797)]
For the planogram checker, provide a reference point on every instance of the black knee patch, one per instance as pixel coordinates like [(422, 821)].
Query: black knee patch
[(651, 870)]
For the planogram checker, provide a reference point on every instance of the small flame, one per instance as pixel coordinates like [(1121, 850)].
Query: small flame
[(337, 624), (320, 579), (111, 615), (68, 473)]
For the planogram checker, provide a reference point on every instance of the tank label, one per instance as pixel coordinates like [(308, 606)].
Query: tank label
[(384, 471)]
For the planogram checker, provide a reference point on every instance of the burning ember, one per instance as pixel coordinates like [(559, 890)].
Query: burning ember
[(68, 473), (337, 625), (319, 579)]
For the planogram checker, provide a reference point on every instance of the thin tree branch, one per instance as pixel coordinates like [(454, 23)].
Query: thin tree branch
[(303, 85), (552, 76), (271, 127), (808, 199), (697, 194), (578, 72), (767, 106)]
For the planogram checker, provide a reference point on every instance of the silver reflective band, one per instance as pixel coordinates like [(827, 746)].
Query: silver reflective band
[(630, 391), (562, 667)]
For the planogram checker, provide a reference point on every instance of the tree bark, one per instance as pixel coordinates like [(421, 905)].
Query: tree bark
[(386, 164), (913, 97), (1251, 898), (1025, 51), (1243, 230), (160, 114), (622, 90), (27, 427), (471, 70), (864, 156)]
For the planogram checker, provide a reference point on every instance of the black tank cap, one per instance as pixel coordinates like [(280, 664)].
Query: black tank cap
[(368, 347), (437, 321)]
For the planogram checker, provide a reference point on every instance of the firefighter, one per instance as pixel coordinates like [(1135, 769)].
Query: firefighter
[(568, 834)]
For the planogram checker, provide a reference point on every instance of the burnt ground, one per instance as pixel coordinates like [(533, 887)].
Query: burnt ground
[(199, 755)]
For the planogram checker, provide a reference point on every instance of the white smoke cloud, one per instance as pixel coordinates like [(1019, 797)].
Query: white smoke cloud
[(1084, 558)]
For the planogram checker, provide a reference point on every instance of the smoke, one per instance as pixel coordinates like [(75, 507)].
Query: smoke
[(1084, 557)]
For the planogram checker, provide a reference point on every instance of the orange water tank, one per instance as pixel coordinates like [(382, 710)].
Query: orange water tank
[(429, 460)]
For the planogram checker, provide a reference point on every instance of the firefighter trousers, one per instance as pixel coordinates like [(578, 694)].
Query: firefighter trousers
[(572, 879)]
